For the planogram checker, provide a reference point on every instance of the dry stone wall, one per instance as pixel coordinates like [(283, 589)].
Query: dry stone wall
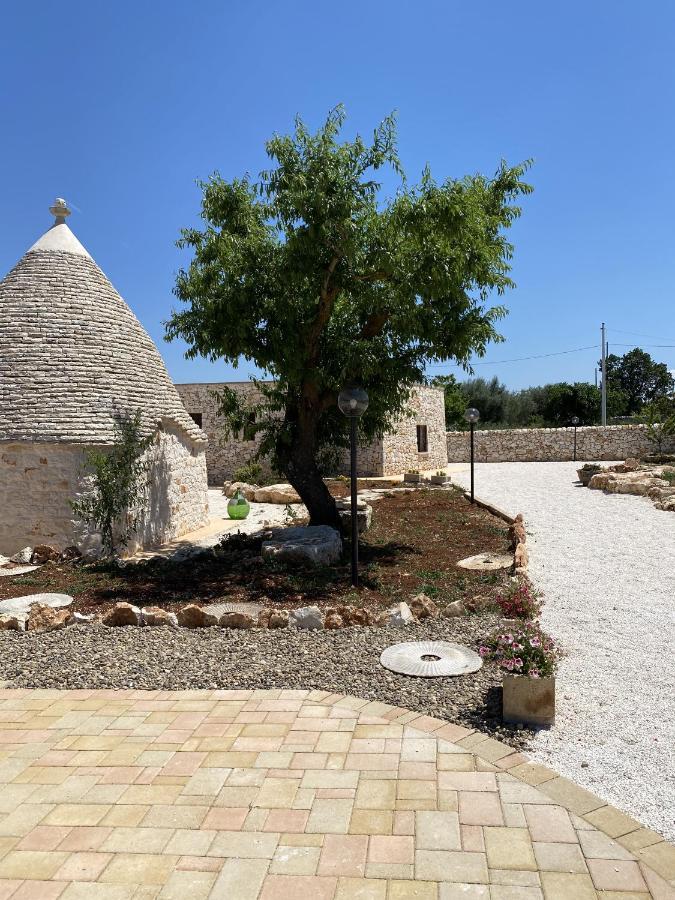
[(38, 481), (594, 442)]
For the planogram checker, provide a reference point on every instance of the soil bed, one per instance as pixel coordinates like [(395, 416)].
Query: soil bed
[(414, 545)]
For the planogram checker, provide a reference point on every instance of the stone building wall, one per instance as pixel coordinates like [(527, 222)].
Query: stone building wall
[(400, 454), (392, 455), (596, 442), (45, 477)]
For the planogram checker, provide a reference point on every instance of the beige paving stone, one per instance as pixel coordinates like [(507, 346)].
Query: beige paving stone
[(661, 858), (295, 860), (361, 889), (42, 837), (509, 848), (515, 877), (330, 816), (137, 840), (596, 845), (86, 890), (552, 857), (636, 840), (38, 890), (389, 870), (240, 878), (192, 885), (463, 891), (412, 890), (277, 793), (84, 866), (467, 781), (514, 892), (563, 886), (343, 855), (451, 865), (125, 816), (174, 816), (612, 821), (247, 845), (437, 831), (616, 875), (38, 864), (77, 814), (139, 869), (371, 821), (190, 842), (482, 808), (571, 796), (298, 887), (549, 823), (375, 795)]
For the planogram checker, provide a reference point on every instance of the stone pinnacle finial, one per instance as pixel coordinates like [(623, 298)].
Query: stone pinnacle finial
[(60, 210)]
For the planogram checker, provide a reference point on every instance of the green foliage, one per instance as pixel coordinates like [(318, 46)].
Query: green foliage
[(524, 650), (455, 404), (118, 486), (639, 378), (314, 277), (660, 422), (250, 472)]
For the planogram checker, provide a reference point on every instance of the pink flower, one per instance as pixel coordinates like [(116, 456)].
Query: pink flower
[(508, 664), (518, 663), (534, 673), (535, 642), (483, 651)]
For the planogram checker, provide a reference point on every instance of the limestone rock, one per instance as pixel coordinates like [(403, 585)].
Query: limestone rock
[(333, 620), (12, 623), (78, 618), (399, 615), (486, 562), (44, 553), (631, 464), (455, 609), (23, 557), (306, 617), (237, 620), (47, 618), (122, 614), (520, 557), (71, 553), (20, 606), (320, 545), (364, 515), (423, 607), (278, 619), (193, 616), (155, 615), (276, 493), (230, 488), (517, 533), (354, 615)]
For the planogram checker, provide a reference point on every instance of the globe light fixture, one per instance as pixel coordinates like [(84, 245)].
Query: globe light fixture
[(353, 402), (472, 416)]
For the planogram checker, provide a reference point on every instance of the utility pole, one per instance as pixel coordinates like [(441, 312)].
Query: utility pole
[(603, 416)]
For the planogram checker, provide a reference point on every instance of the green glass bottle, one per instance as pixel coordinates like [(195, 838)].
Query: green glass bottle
[(238, 507)]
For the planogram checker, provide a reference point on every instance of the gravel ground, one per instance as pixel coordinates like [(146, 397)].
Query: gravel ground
[(345, 660), (605, 564)]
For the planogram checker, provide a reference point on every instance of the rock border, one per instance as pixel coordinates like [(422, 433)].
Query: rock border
[(517, 532)]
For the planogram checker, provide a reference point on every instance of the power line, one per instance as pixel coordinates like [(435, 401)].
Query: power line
[(518, 359), (656, 337), (672, 346)]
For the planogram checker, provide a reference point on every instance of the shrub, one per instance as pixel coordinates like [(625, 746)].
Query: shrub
[(519, 601), (250, 472), (525, 650)]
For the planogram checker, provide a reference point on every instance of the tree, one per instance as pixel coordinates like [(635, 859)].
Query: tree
[(117, 483), (319, 281), (639, 378), (490, 398)]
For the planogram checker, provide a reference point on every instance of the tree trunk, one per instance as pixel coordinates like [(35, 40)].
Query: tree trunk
[(298, 461)]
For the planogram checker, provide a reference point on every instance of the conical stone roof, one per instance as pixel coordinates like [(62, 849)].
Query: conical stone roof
[(72, 353)]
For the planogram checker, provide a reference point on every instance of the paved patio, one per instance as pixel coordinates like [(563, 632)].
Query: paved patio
[(263, 795)]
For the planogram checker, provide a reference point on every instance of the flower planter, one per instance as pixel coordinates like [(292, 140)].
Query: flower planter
[(412, 477), (530, 701), (585, 475), (440, 479)]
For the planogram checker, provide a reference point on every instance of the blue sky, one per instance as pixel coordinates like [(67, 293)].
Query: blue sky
[(121, 107)]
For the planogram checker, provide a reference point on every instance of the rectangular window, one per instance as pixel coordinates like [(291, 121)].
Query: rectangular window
[(422, 443), (197, 418)]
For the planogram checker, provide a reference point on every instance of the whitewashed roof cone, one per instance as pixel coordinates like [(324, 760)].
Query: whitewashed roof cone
[(72, 353)]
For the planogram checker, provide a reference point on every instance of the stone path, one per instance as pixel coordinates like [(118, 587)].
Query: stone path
[(605, 565), (271, 795)]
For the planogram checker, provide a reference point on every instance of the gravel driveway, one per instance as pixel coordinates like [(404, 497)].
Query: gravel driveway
[(606, 565)]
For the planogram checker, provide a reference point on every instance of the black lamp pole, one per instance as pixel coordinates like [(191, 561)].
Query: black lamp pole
[(472, 416), (355, 524), (575, 422), (353, 402)]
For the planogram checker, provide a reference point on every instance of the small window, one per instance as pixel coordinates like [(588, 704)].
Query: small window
[(196, 418), (422, 443)]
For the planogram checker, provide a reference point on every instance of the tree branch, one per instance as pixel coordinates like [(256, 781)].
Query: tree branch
[(374, 325)]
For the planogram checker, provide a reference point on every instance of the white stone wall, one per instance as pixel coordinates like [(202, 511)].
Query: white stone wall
[(553, 444), (426, 407), (38, 480)]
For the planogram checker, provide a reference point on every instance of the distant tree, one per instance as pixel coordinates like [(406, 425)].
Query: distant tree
[(316, 279), (639, 377), (490, 398)]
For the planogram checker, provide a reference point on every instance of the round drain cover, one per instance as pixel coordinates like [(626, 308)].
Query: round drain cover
[(430, 659)]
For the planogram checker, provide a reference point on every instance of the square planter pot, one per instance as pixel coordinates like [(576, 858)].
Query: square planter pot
[(440, 479), (412, 477), (530, 701)]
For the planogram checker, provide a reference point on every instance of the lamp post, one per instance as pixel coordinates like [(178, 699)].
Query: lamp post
[(472, 416), (575, 422), (353, 402)]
